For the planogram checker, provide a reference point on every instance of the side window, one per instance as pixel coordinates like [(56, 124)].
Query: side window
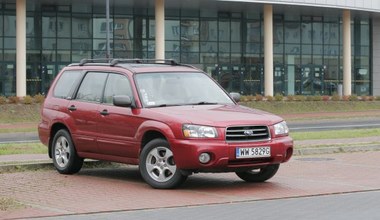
[(66, 83), (91, 88), (116, 85)]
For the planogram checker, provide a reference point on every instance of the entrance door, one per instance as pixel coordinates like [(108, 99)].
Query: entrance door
[(312, 80), (253, 79)]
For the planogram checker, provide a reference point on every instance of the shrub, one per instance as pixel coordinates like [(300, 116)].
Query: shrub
[(335, 97), (3, 100), (309, 98), (13, 99), (269, 98), (316, 98), (325, 98), (39, 98), (368, 98), (259, 97), (250, 98), (346, 98), (278, 97), (243, 99), (353, 97), (27, 100), (300, 98), (291, 98)]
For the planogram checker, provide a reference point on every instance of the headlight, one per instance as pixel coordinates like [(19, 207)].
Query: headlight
[(281, 128), (199, 131)]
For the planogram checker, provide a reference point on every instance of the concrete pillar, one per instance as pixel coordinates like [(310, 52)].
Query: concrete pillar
[(21, 48), (160, 29), (268, 50), (346, 52)]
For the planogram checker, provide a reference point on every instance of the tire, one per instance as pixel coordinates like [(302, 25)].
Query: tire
[(259, 175), (65, 158), (157, 166)]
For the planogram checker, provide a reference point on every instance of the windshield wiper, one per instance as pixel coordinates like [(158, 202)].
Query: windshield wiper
[(163, 105), (205, 103)]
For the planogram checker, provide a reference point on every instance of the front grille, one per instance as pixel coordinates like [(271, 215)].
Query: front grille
[(247, 133)]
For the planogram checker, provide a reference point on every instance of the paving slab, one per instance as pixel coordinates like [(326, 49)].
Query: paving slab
[(47, 193)]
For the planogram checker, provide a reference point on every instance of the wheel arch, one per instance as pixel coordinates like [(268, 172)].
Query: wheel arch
[(149, 136), (151, 130)]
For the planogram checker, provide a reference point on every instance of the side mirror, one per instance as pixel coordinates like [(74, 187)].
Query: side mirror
[(122, 101), (235, 96)]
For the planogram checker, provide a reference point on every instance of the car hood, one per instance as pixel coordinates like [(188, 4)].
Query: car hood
[(218, 115)]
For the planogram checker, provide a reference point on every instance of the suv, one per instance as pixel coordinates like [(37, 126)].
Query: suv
[(170, 119)]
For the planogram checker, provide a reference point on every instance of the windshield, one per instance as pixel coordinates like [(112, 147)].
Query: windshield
[(185, 88)]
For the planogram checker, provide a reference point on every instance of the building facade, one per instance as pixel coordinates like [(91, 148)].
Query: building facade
[(299, 47)]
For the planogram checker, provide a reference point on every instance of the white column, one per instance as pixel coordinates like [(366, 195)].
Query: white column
[(268, 50), (20, 48), (160, 29), (346, 52)]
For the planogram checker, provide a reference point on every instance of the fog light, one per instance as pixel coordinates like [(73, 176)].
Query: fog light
[(204, 158)]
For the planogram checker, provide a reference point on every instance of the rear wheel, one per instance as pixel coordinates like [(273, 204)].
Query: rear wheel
[(65, 158), (157, 165), (259, 175)]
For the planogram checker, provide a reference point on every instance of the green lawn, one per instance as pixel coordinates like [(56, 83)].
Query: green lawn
[(12, 130), (14, 113), (23, 148), (317, 135)]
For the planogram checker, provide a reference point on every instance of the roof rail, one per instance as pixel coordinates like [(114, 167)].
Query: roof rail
[(100, 60), (158, 61)]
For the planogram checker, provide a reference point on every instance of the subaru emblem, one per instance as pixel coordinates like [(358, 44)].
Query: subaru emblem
[(248, 132)]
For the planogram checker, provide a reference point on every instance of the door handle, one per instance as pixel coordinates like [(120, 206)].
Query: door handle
[(72, 108), (104, 112)]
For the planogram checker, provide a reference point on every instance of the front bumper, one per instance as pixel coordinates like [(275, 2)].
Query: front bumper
[(223, 158)]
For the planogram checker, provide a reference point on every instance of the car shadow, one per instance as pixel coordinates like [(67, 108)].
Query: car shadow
[(204, 181)]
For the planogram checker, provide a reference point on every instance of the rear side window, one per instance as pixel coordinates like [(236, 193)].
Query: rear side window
[(91, 89), (66, 83)]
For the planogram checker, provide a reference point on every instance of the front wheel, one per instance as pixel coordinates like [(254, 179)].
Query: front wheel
[(157, 165), (65, 158), (259, 175)]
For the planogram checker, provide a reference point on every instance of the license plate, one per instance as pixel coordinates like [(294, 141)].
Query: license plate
[(252, 152)]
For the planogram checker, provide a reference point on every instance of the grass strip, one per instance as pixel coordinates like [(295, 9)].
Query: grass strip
[(15, 130), (23, 148), (336, 134)]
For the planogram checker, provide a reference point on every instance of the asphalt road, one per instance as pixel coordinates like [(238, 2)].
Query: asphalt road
[(351, 206), (310, 125)]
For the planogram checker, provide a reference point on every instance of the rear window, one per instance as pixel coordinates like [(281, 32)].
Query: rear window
[(66, 83)]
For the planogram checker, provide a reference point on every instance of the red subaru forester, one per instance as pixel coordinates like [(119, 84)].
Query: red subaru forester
[(170, 119)]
